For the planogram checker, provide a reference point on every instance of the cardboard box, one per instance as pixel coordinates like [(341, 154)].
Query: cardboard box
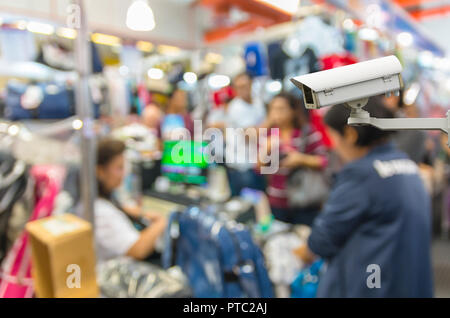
[(63, 257)]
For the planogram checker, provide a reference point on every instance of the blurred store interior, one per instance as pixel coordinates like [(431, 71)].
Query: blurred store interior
[(91, 93)]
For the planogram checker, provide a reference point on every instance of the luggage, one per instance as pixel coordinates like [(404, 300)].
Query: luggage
[(127, 278), (218, 256), (40, 101)]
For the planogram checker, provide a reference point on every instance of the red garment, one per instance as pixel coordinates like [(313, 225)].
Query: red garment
[(317, 121), (336, 60), (144, 95), (223, 95), (276, 190)]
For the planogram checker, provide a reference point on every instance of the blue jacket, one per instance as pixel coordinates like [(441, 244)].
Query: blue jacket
[(378, 213)]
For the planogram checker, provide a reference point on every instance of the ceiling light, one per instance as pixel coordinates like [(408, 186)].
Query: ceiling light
[(425, 59), (168, 49), (213, 58), (274, 87), (140, 16), (218, 81), (21, 25), (348, 24), (155, 73), (405, 39), (41, 28), (368, 34), (13, 130), (67, 33), (124, 70), (190, 77), (105, 39), (144, 46), (77, 124)]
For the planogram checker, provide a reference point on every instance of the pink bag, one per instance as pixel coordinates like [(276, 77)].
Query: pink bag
[(15, 271)]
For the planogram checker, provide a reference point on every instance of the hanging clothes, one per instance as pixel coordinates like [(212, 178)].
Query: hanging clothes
[(15, 271)]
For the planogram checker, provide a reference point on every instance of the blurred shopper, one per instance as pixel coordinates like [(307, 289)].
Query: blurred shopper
[(287, 114), (176, 116), (375, 230), (245, 112), (152, 116), (115, 233), (442, 182)]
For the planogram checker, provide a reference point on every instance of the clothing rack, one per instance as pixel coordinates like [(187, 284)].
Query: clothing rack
[(39, 146)]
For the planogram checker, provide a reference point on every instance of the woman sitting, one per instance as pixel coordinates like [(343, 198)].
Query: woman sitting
[(115, 233)]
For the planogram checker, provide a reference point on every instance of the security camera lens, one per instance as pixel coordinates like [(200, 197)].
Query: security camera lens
[(308, 95)]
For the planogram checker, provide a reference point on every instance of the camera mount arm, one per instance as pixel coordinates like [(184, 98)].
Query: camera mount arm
[(359, 116)]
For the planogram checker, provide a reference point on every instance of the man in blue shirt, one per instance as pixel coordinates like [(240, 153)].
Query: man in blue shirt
[(374, 231)]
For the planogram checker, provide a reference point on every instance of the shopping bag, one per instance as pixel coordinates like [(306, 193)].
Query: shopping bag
[(15, 271), (307, 281)]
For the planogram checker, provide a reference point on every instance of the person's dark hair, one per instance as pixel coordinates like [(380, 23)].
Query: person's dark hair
[(243, 74), (107, 150), (337, 117), (300, 118)]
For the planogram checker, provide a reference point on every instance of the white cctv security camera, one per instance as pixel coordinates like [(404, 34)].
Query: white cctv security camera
[(354, 84)]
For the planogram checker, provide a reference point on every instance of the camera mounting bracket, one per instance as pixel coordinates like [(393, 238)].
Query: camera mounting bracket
[(359, 116)]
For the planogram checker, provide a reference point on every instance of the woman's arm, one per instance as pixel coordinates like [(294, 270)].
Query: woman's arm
[(313, 155), (297, 159), (133, 211), (145, 245), (264, 145), (305, 254)]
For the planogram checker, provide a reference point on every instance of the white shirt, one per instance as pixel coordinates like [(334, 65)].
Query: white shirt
[(114, 232), (241, 114), (215, 116)]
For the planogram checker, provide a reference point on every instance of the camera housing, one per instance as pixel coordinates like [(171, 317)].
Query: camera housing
[(352, 84)]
